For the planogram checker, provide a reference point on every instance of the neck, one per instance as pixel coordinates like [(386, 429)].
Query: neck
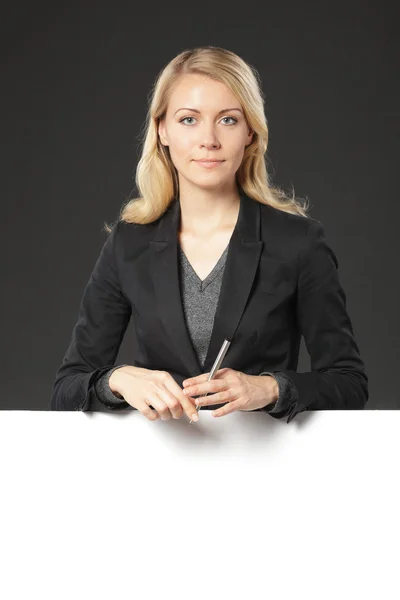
[(206, 211)]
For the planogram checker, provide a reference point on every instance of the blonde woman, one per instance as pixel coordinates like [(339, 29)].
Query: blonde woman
[(210, 246)]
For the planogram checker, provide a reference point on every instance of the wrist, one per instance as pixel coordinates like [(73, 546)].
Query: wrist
[(114, 381), (273, 390)]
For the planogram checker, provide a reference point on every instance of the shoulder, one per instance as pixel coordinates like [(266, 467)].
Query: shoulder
[(132, 233), (286, 222), (285, 232)]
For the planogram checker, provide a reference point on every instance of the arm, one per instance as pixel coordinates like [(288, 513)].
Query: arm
[(337, 380), (103, 317)]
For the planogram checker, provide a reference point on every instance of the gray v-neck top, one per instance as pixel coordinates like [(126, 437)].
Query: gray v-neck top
[(199, 301)]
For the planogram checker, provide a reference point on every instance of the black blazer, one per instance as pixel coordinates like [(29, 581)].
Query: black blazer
[(280, 281)]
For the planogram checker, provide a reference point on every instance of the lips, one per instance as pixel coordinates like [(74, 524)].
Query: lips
[(209, 160), (209, 164)]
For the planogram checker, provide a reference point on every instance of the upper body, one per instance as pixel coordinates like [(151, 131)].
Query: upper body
[(280, 281)]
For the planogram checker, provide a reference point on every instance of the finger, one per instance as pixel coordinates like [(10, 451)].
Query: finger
[(228, 408), (185, 403), (195, 380), (147, 411), (159, 404), (217, 398), (207, 387), (202, 377)]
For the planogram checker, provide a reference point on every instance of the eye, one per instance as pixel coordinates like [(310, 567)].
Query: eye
[(232, 118), (184, 119)]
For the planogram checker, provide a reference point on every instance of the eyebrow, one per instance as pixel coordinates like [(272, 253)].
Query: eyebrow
[(197, 111)]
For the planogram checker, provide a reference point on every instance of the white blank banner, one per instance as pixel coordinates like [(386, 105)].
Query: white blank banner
[(98, 505)]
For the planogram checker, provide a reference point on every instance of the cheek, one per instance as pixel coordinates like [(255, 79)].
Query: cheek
[(236, 146), (181, 148), (237, 159)]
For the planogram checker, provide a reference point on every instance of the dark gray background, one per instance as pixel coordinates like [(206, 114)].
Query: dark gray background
[(75, 84)]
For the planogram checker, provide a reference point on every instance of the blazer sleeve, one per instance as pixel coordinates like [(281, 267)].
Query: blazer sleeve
[(110, 399), (337, 379), (287, 395), (103, 317)]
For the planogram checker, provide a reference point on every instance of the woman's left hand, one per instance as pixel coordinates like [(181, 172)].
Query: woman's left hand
[(239, 390)]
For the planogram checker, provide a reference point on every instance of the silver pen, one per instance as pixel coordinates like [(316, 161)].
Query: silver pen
[(216, 366)]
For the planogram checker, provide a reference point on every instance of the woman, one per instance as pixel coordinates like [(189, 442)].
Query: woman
[(212, 251)]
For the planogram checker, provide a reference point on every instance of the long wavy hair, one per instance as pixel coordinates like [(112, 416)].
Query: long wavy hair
[(156, 176)]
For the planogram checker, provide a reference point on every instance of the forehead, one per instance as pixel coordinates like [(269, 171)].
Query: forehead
[(201, 92)]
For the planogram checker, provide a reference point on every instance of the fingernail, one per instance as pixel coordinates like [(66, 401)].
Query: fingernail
[(195, 417)]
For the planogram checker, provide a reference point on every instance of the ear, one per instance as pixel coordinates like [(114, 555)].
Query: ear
[(161, 133)]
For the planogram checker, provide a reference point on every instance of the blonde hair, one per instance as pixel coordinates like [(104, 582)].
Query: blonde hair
[(156, 176)]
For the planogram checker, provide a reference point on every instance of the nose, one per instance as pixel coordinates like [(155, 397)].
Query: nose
[(210, 143), (209, 138)]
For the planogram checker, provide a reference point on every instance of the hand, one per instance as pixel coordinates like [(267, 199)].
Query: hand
[(144, 387), (239, 390)]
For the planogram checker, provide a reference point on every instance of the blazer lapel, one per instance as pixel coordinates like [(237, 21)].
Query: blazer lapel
[(241, 265)]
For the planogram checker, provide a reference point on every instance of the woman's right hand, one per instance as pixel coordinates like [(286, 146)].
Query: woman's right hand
[(144, 387)]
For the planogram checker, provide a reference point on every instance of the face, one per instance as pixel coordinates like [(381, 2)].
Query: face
[(205, 120)]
